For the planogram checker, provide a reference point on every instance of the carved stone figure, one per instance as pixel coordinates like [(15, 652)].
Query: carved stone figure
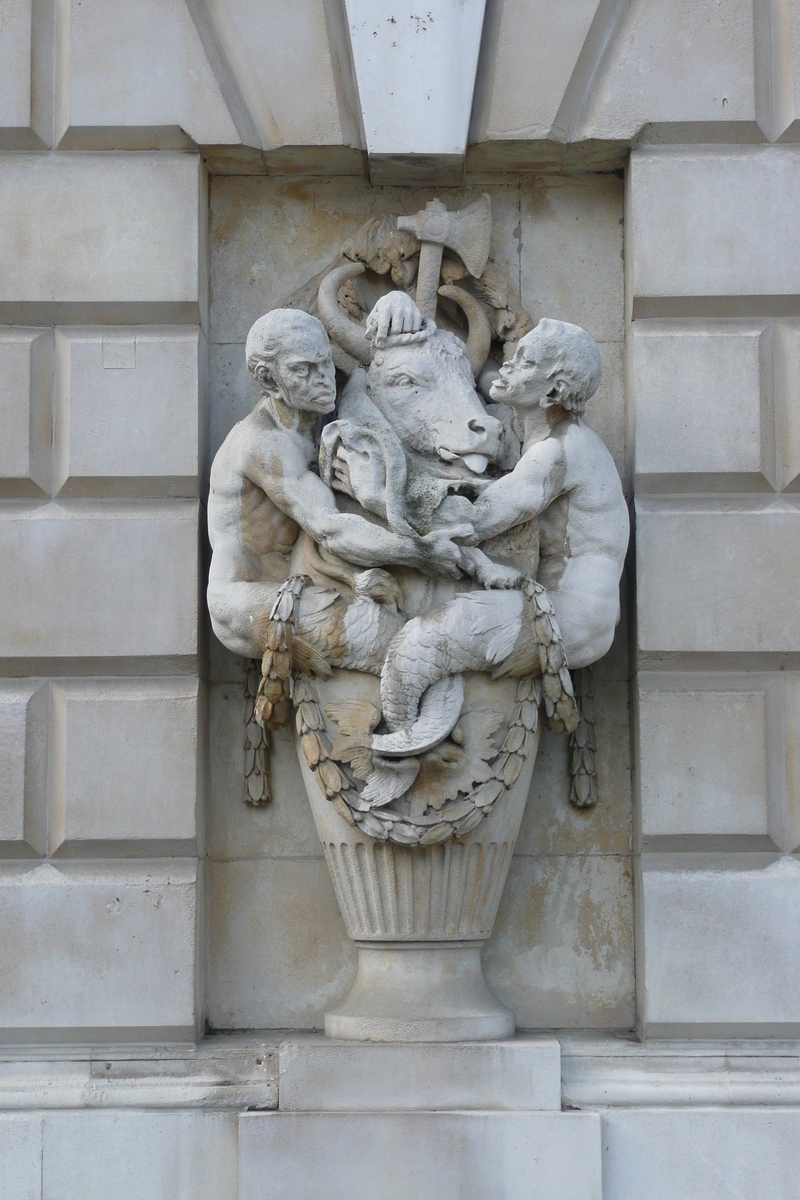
[(418, 600)]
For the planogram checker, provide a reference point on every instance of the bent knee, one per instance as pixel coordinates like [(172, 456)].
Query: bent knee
[(587, 630)]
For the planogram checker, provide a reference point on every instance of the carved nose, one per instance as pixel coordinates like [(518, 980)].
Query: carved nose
[(485, 431)]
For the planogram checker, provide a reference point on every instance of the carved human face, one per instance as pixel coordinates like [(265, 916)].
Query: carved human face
[(307, 374), (526, 380)]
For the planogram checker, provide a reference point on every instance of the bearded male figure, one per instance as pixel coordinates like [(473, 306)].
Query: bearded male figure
[(263, 493)]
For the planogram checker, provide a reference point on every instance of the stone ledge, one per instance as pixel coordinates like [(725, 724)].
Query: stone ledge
[(241, 1071), (318, 1074), (600, 1072), (219, 1073)]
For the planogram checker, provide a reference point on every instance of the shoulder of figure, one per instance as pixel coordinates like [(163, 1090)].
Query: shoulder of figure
[(544, 453)]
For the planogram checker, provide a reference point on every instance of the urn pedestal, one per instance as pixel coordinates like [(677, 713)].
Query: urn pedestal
[(419, 917)]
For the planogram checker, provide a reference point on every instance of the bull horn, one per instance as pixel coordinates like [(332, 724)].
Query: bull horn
[(341, 329), (479, 339)]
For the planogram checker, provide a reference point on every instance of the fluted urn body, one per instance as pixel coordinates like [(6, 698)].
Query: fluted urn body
[(419, 915)]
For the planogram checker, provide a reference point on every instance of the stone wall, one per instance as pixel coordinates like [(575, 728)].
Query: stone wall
[(140, 900)]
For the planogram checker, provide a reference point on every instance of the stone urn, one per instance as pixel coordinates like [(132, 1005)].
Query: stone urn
[(419, 914)]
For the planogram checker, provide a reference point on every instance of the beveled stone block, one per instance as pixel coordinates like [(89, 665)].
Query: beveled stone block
[(538, 44), (115, 951), (134, 68), (430, 1156), (123, 577), (120, 229), (720, 941), (704, 761), (24, 711), (718, 575), (698, 402), (26, 358), (722, 222), (25, 88), (128, 408), (668, 64), (127, 765)]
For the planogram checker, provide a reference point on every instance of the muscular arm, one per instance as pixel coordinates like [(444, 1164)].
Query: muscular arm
[(535, 482), (307, 500)]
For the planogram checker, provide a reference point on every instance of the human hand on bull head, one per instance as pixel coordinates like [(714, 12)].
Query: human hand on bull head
[(393, 314)]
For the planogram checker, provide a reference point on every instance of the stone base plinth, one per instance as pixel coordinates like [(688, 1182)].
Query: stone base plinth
[(424, 1155), (318, 1074), (419, 992)]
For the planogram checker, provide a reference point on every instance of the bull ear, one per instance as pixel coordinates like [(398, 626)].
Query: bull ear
[(341, 329), (479, 338)]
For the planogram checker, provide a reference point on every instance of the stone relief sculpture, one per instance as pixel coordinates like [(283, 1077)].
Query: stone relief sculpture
[(418, 571)]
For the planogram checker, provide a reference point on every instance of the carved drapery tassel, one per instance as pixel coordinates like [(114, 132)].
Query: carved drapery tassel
[(256, 744), (582, 769)]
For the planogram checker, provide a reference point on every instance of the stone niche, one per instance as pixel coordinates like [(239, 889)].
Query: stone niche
[(562, 951)]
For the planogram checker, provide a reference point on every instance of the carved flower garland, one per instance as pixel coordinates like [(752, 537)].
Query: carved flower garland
[(282, 687)]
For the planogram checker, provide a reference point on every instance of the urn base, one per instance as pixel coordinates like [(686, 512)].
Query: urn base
[(419, 992)]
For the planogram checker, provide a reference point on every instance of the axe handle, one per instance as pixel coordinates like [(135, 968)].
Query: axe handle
[(430, 266)]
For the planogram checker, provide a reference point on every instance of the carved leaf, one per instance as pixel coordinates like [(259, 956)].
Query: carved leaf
[(356, 720), (459, 763)]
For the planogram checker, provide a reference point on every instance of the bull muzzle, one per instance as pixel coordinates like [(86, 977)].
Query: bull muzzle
[(476, 446)]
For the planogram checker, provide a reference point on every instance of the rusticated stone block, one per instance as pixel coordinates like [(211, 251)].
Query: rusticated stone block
[(121, 577), (128, 410), (115, 951)]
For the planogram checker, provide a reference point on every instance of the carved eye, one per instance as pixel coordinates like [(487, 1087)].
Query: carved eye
[(403, 381)]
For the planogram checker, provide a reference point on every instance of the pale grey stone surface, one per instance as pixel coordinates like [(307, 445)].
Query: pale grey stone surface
[(23, 766), (508, 1155), (718, 575), (317, 1073), (128, 768), (562, 951), (278, 953), (716, 1153), (683, 61), (721, 953), (135, 67), (21, 1152), (106, 228), (720, 223), (703, 760), (25, 405), (111, 568), (127, 408), (697, 387), (542, 43), (89, 1156), (119, 955), (409, 104)]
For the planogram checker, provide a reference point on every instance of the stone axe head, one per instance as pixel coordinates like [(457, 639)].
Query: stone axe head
[(467, 232)]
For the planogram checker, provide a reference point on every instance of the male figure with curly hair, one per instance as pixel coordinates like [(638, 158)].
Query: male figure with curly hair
[(567, 478)]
